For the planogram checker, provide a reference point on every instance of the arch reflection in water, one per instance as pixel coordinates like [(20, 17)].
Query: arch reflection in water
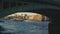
[(25, 23)]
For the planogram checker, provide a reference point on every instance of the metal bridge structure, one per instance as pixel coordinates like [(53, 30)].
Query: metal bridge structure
[(49, 8)]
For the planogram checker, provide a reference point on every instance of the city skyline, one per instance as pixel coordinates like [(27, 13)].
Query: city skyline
[(32, 16)]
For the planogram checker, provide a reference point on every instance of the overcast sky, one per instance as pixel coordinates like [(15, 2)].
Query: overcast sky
[(28, 13)]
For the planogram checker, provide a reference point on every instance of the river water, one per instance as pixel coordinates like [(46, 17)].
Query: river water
[(17, 27)]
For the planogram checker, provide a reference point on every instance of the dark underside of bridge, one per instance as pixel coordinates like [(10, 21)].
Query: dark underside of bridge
[(50, 8)]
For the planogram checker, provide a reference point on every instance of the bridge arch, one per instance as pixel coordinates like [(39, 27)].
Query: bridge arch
[(36, 8), (50, 11)]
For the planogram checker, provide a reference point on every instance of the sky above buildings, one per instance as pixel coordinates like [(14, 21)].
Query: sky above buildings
[(19, 13)]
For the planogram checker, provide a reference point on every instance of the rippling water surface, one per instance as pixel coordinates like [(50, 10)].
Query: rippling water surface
[(17, 27)]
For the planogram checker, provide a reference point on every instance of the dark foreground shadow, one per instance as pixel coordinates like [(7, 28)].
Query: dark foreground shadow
[(2, 29)]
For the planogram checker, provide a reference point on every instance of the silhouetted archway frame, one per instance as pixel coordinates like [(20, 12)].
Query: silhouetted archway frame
[(50, 9), (47, 12)]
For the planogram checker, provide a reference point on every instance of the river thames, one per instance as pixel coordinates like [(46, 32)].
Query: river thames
[(17, 27)]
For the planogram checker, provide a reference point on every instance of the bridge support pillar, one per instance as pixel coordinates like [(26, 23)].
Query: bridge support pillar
[(54, 26)]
